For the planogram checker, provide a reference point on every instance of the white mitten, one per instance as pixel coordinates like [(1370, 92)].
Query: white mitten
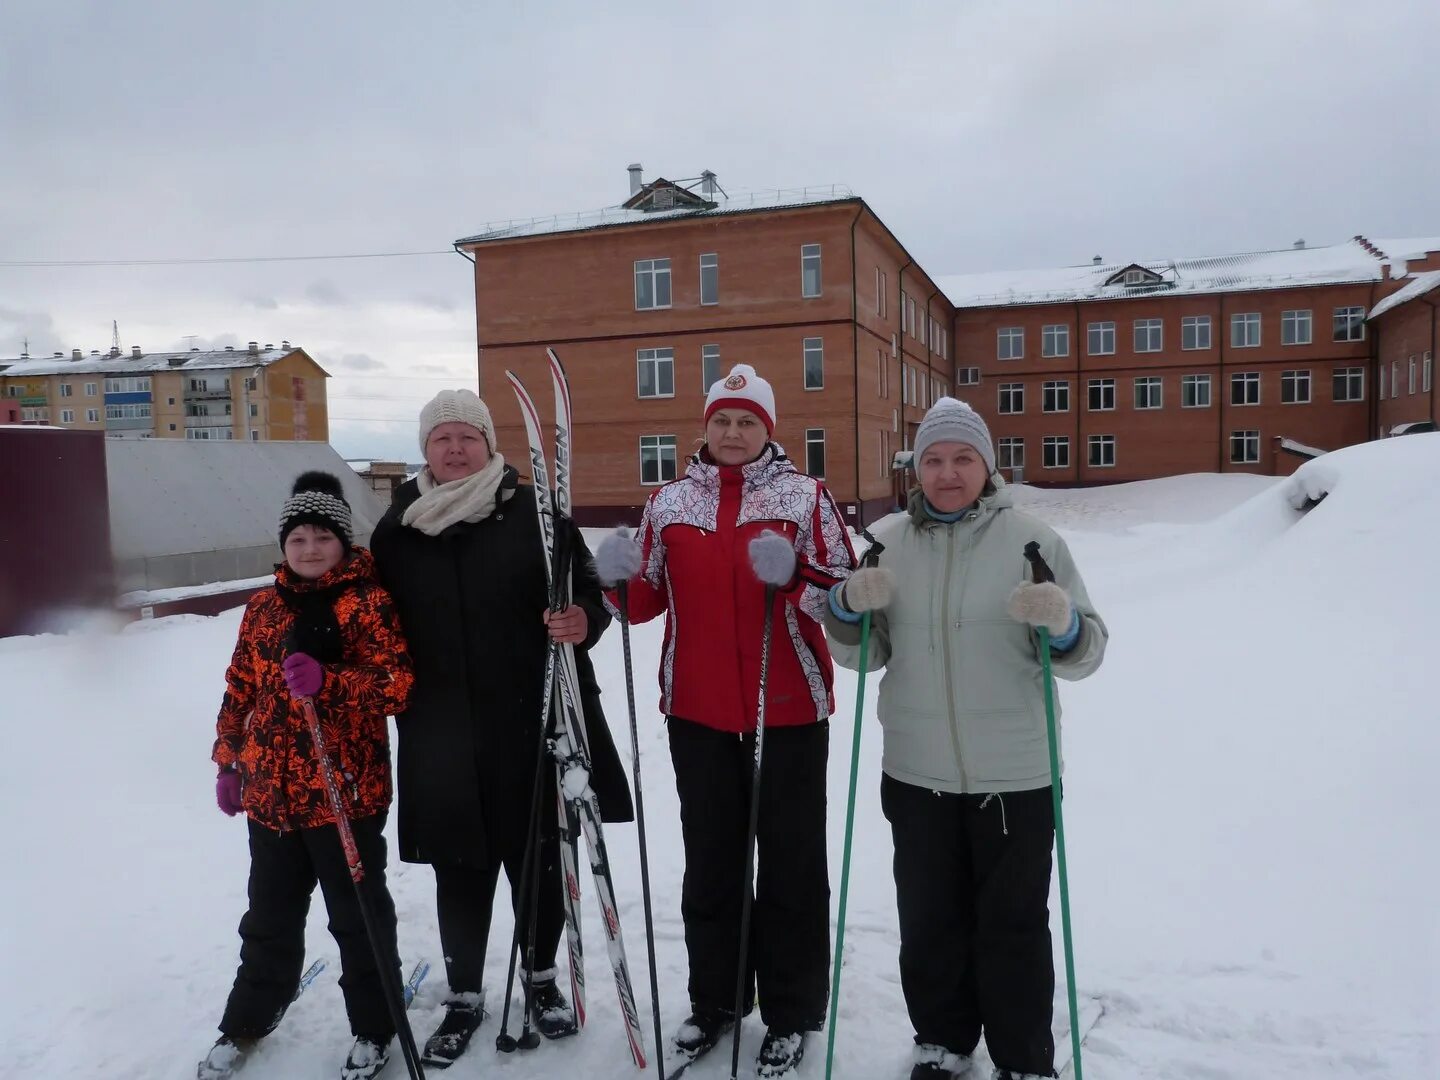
[(1045, 604), (868, 589)]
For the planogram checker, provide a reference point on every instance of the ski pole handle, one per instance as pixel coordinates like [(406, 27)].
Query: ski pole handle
[(1040, 571), (873, 552)]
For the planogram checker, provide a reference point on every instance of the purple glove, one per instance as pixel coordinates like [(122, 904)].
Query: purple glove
[(227, 792), (303, 674)]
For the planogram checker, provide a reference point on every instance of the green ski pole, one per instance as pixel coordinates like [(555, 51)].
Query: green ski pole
[(1040, 572)]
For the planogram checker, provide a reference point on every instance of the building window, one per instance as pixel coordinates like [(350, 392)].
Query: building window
[(1149, 335), (1102, 451), (809, 270), (90, 389), (67, 416), (254, 436), (1010, 342), (1149, 392), (1349, 384), (904, 384), (1295, 388), (1195, 391), (1101, 339), (66, 390), (1055, 452), (709, 367), (710, 279), (34, 415), (1428, 365), (129, 385), (1382, 382), (910, 315), (882, 374), (92, 416), (1394, 380), (967, 376), (815, 452), (1010, 452), (1102, 395), (652, 284), (657, 459), (254, 410), (1055, 340), (1295, 328), (1245, 330), (1012, 397), (655, 372), (1195, 332), (1349, 324), (127, 412), (251, 383), (1055, 396), (914, 395), (1245, 388), (814, 363), (1244, 447)]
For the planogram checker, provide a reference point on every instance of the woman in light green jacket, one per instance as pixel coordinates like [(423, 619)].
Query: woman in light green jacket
[(966, 786)]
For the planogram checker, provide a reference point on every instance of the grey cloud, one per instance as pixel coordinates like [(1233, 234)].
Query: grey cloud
[(360, 362), (324, 294)]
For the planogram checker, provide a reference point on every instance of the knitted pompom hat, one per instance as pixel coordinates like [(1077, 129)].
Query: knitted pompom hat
[(317, 498), (743, 389)]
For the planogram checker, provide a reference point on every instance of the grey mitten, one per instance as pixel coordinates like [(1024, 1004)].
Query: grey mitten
[(618, 557), (773, 557), (868, 589), (1045, 604)]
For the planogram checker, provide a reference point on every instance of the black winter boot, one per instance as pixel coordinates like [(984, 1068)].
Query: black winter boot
[(551, 1014)]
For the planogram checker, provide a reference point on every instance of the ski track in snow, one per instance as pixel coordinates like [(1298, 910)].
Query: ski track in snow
[(1249, 816)]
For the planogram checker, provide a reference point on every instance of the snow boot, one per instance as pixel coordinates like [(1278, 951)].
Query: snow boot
[(934, 1062), (225, 1058), (1006, 1074), (699, 1034), (367, 1057), (780, 1053), (551, 1014), (463, 1014)]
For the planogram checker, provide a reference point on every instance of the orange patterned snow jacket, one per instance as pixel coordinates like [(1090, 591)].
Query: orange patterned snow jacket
[(262, 730)]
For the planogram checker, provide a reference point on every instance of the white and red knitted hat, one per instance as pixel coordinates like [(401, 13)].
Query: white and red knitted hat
[(743, 389)]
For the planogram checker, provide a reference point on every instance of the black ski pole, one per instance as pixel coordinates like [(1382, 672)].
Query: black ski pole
[(747, 898), (388, 966), (640, 823)]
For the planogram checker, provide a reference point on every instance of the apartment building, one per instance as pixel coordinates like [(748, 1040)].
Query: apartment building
[(257, 394), (1403, 327)]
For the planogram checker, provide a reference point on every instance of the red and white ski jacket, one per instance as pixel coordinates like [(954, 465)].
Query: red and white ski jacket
[(695, 535)]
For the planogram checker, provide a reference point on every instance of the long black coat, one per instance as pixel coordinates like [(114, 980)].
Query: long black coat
[(470, 601)]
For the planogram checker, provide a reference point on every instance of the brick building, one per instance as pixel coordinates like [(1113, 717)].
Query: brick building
[(648, 303), (1403, 326)]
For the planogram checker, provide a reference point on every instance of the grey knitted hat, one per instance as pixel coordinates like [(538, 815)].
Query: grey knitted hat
[(951, 420), (450, 406)]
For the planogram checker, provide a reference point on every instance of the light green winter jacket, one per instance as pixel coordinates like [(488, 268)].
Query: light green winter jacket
[(962, 701)]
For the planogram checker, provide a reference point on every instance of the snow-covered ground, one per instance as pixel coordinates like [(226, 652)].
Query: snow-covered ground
[(1250, 812)]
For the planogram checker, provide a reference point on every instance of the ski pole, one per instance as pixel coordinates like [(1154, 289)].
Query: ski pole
[(388, 971), (872, 558), (747, 900), (624, 606), (1040, 572)]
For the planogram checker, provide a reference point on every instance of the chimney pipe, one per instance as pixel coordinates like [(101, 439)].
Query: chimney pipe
[(285, 345), (254, 348), (1097, 260), (58, 354), (114, 351), (229, 348), (635, 182), (94, 352), (76, 354), (1299, 245), (134, 352)]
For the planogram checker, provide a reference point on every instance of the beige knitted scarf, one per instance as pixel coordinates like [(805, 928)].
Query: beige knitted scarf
[(471, 498)]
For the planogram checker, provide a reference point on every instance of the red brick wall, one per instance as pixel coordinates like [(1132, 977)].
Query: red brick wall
[(1403, 333)]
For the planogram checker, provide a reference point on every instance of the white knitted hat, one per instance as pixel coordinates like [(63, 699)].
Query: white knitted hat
[(459, 406), (743, 389), (951, 420)]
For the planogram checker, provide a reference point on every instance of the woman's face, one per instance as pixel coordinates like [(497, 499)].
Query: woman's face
[(952, 475), (734, 436), (312, 551), (455, 450)]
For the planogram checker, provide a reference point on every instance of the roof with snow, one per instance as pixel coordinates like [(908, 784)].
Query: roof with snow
[(1419, 286), (1359, 260), (129, 364), (613, 216)]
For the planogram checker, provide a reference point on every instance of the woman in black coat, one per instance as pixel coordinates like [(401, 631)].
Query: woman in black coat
[(460, 552)]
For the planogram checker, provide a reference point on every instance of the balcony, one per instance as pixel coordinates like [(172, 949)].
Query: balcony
[(210, 394), (209, 421)]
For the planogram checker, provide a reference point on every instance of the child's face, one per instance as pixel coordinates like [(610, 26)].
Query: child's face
[(312, 551)]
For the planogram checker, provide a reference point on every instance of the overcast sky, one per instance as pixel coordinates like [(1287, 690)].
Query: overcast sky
[(987, 135)]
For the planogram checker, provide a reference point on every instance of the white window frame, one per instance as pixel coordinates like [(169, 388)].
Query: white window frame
[(254, 411), (1241, 323), (658, 444), (1428, 368), (910, 314), (1348, 323), (815, 437), (1009, 396), (1292, 383), (1245, 380), (1196, 328), (66, 390), (1383, 370), (1354, 380), (91, 389), (657, 357), (1248, 441), (1149, 335), (67, 416), (1058, 391), (707, 353), (1297, 327), (654, 270), (1054, 340), (92, 416), (967, 376), (1010, 343), (1195, 383), (1055, 452), (812, 346), (713, 266), (1105, 330), (811, 262), (1010, 452), (1414, 371), (1152, 389), (1103, 386), (1101, 443)]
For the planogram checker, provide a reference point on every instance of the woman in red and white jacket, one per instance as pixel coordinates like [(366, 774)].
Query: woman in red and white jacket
[(742, 516)]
